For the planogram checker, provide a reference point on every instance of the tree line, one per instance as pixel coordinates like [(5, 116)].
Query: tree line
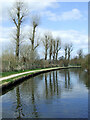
[(26, 55)]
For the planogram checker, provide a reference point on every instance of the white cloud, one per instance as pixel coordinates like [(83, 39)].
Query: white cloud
[(74, 14), (78, 38), (49, 0), (70, 15), (30, 1), (32, 5), (42, 5)]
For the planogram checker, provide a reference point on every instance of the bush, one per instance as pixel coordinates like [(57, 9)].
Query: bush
[(65, 63)]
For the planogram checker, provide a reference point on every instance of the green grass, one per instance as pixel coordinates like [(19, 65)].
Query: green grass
[(4, 74), (20, 76), (13, 79)]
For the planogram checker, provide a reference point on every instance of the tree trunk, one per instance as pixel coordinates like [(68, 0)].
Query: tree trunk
[(18, 35), (54, 52), (65, 53), (57, 51), (46, 53), (33, 38), (46, 47), (17, 43), (56, 56), (68, 55), (50, 53)]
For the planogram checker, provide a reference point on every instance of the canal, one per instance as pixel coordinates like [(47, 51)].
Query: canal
[(56, 94)]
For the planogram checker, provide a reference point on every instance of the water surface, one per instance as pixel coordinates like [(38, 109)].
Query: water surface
[(56, 94)]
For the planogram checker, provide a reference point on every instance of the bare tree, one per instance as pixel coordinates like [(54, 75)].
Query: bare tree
[(80, 53), (26, 56), (70, 49), (66, 53), (50, 46), (46, 44), (54, 49), (58, 46), (8, 60), (17, 14), (35, 20), (50, 50), (65, 49)]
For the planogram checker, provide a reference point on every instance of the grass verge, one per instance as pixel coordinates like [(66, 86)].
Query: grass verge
[(13, 79), (24, 75), (4, 74)]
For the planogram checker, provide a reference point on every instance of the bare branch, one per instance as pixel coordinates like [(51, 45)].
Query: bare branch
[(36, 46), (59, 49), (15, 22), (21, 19), (17, 13)]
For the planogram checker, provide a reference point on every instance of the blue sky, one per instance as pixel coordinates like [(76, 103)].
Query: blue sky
[(78, 24), (68, 20)]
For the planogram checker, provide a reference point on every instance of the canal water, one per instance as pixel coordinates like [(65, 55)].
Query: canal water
[(56, 94)]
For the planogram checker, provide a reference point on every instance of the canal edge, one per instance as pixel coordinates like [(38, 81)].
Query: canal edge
[(21, 79)]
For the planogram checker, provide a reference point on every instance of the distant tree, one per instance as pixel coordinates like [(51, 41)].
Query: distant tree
[(45, 41), (80, 53), (54, 49), (50, 50), (70, 49), (8, 61), (35, 20), (17, 14), (65, 49), (66, 53), (58, 46), (26, 57), (50, 46), (61, 58)]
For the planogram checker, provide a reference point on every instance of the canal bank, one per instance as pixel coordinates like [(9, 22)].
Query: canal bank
[(13, 80)]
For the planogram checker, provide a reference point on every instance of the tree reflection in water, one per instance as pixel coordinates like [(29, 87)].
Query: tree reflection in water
[(50, 84), (42, 88), (67, 80), (19, 105), (57, 84), (52, 88), (46, 86), (54, 81), (35, 113)]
